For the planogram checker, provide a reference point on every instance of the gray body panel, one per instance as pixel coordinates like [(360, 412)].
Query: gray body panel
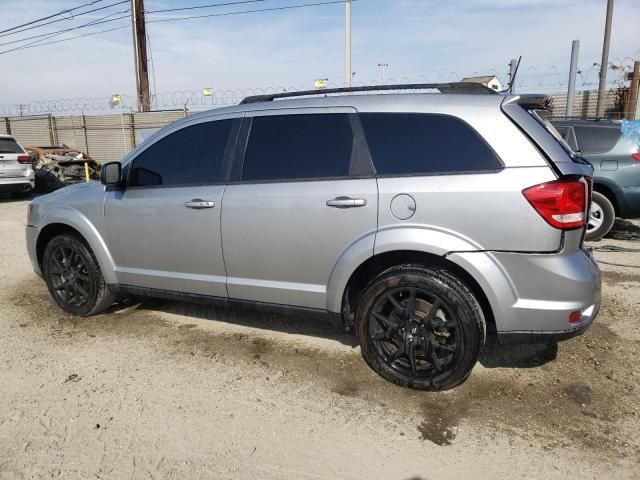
[(279, 242), (156, 242)]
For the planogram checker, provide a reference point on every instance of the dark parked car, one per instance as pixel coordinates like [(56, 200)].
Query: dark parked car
[(616, 164)]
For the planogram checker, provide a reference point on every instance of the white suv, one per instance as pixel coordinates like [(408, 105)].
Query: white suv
[(16, 168)]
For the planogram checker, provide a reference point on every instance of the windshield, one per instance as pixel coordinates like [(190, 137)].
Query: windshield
[(9, 145), (541, 116)]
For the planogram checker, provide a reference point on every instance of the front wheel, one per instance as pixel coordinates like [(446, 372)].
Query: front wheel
[(601, 217), (420, 328), (74, 278)]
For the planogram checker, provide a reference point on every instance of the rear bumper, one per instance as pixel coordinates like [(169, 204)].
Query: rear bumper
[(533, 295), (18, 184)]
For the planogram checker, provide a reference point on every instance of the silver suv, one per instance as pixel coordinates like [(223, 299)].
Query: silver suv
[(426, 221)]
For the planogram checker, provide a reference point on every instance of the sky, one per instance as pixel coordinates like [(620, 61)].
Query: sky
[(420, 40)]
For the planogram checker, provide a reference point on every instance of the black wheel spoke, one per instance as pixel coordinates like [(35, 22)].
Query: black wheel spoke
[(409, 309), (406, 326), (411, 355), (396, 305)]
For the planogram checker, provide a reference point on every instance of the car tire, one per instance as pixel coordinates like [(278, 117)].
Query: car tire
[(424, 313), (73, 276), (601, 217)]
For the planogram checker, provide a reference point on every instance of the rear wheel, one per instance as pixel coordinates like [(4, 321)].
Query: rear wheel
[(74, 278), (601, 217), (420, 328)]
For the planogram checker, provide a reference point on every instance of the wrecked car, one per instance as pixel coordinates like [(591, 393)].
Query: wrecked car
[(56, 167)]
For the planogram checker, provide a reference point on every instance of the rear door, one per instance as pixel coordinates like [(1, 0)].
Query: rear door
[(14, 162), (164, 228), (304, 192)]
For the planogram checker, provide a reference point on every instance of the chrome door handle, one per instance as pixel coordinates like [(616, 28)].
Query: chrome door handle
[(198, 203), (346, 202)]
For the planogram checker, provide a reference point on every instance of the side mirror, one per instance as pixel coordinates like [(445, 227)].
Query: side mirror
[(111, 174)]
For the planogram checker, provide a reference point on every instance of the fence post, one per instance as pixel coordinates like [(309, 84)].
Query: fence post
[(8, 125), (86, 138), (133, 130), (50, 130)]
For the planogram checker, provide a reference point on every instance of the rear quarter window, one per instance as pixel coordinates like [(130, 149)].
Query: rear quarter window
[(9, 145), (415, 143)]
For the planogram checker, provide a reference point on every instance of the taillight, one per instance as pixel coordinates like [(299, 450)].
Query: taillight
[(636, 156), (24, 159), (562, 203)]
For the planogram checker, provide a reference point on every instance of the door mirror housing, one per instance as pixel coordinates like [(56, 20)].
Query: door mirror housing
[(111, 174)]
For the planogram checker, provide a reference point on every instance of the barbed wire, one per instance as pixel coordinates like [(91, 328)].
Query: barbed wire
[(550, 80)]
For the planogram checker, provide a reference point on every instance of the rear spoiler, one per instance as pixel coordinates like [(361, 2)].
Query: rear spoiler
[(532, 102), (519, 109)]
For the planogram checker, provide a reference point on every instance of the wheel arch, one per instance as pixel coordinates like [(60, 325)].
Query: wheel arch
[(64, 221), (377, 264)]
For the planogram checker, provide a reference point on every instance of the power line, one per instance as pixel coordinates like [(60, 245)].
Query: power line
[(63, 19), (272, 9), (62, 12), (89, 24), (203, 6), (21, 47), (66, 39)]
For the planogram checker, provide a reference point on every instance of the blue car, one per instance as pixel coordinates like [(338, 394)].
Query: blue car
[(616, 163)]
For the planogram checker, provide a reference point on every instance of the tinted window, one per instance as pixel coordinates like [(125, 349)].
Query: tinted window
[(9, 145), (193, 155), (596, 139), (298, 146), (411, 143)]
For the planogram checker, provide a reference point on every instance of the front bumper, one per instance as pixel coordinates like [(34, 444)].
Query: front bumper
[(31, 233)]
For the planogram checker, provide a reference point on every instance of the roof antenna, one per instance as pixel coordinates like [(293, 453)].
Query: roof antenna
[(514, 72)]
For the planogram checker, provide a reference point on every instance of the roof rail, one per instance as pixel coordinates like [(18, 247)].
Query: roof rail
[(455, 87)]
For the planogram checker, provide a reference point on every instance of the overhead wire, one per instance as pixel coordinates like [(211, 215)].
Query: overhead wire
[(65, 18)]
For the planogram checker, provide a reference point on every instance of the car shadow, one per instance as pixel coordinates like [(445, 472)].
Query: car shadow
[(525, 355), (324, 326), (624, 230), (261, 317)]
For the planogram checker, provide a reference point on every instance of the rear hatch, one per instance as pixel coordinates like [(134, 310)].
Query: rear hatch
[(559, 202), (14, 162)]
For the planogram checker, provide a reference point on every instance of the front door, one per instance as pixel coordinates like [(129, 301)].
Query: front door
[(305, 193), (163, 229)]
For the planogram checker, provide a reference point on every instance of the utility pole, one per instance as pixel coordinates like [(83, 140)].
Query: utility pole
[(602, 84), (382, 67), (347, 44), (513, 66), (632, 104), (575, 47), (140, 54)]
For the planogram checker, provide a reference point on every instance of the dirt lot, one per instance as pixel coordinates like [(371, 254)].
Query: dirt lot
[(167, 390)]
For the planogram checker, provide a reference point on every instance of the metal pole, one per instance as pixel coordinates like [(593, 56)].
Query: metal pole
[(382, 67), (604, 64), (513, 64), (135, 51), (632, 104), (571, 92), (347, 44)]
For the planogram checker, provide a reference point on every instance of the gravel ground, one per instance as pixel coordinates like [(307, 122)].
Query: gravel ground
[(155, 389)]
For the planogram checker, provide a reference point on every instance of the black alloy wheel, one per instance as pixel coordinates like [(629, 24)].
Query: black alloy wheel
[(420, 328), (73, 276)]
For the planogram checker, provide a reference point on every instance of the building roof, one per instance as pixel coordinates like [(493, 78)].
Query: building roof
[(483, 79)]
